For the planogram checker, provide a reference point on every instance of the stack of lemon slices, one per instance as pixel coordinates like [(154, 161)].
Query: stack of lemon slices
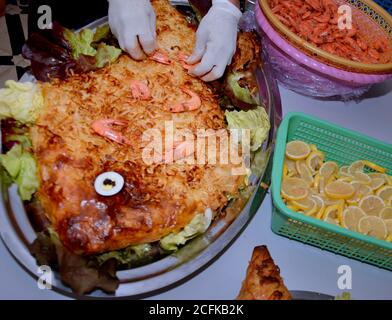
[(347, 196)]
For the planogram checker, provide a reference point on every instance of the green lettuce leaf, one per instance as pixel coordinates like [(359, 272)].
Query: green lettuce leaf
[(106, 54), (20, 101), (11, 161), (101, 33), (24, 140), (198, 225), (27, 180), (256, 120), (22, 168), (259, 161), (6, 181), (239, 92), (127, 255), (343, 296), (80, 42)]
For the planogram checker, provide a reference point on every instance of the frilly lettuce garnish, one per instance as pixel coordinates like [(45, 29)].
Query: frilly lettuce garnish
[(80, 42), (106, 54), (240, 93), (20, 101), (198, 225), (21, 167), (127, 255), (257, 120), (59, 52)]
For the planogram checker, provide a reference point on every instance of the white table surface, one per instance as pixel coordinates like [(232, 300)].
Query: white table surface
[(303, 267)]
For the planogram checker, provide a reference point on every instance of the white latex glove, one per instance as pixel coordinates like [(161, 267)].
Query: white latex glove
[(133, 23), (216, 40)]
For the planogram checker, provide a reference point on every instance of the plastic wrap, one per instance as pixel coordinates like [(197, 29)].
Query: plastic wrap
[(307, 76), (303, 80), (248, 21)]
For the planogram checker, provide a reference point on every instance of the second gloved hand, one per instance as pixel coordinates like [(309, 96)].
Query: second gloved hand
[(133, 23), (216, 40)]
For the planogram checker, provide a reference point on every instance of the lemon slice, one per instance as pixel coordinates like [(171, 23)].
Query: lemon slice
[(374, 175), (340, 212), (373, 226), (376, 183), (385, 193), (304, 204), (351, 217), (345, 178), (314, 161), (332, 221), (316, 181), (318, 199), (331, 179), (293, 208), (328, 201), (320, 206), (285, 170), (372, 205), (307, 205), (321, 184), (339, 190), (294, 189), (292, 171), (313, 147), (356, 166), (331, 214), (297, 150), (304, 172), (374, 166), (389, 180), (313, 191), (386, 213), (388, 223), (361, 190), (312, 211), (361, 178), (343, 171), (328, 169)]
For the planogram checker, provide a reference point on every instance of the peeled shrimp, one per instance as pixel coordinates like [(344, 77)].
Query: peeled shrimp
[(182, 59), (180, 150), (161, 57), (104, 127), (192, 104), (140, 90)]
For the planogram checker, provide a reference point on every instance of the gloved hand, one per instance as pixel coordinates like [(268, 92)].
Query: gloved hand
[(133, 23), (216, 40)]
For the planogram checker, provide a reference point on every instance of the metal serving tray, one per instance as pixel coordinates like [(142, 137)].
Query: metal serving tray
[(17, 232)]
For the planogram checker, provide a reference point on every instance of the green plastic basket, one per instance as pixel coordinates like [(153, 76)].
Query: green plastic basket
[(342, 146)]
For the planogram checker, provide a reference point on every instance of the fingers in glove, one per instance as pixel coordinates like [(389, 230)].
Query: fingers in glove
[(148, 38), (216, 72), (131, 45), (153, 24), (221, 62), (148, 43), (200, 48), (206, 64)]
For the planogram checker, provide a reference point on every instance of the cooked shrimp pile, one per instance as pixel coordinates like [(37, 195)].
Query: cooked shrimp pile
[(316, 21)]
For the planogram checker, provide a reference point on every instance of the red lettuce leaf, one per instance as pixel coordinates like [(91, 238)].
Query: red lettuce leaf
[(81, 273), (51, 55)]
